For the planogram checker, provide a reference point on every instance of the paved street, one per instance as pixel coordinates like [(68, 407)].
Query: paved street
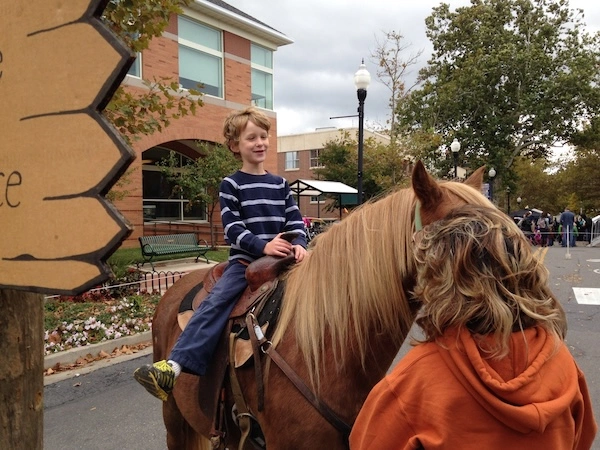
[(106, 409)]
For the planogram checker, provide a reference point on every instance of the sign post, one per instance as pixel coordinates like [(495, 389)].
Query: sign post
[(59, 66)]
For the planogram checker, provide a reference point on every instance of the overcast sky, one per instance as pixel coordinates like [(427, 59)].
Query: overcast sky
[(314, 76)]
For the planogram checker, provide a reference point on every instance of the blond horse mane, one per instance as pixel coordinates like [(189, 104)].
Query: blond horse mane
[(354, 277), (357, 278)]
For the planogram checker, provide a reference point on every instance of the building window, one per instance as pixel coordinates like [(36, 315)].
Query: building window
[(200, 57), (262, 76), (292, 161), (314, 159), (136, 68), (317, 198)]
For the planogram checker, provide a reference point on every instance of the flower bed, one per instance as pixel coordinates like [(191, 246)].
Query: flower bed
[(79, 321)]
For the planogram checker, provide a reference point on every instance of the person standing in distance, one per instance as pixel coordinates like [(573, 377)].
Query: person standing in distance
[(256, 208), (567, 220)]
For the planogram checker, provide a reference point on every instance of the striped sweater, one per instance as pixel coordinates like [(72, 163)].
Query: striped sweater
[(255, 209)]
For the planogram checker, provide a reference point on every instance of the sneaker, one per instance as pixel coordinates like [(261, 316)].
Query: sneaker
[(158, 379)]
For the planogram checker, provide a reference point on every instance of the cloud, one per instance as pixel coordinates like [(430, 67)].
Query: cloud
[(314, 76)]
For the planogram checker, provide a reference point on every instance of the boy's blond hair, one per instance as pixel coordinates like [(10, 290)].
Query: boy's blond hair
[(476, 270), (236, 122)]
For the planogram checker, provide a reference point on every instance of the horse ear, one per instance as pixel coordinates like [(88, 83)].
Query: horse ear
[(476, 179), (426, 188)]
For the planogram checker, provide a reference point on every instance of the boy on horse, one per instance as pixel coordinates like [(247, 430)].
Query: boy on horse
[(492, 370), (256, 208)]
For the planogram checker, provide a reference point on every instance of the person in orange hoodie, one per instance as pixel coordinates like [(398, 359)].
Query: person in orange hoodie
[(492, 370)]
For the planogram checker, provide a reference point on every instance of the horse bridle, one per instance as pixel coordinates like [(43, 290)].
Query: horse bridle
[(418, 223), (259, 340)]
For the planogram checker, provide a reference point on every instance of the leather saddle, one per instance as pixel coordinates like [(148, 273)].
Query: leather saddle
[(262, 297), (261, 275)]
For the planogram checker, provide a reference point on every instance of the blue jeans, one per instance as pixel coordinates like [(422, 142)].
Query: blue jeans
[(570, 236), (196, 344)]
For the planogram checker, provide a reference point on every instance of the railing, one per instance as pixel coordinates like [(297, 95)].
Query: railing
[(595, 236), (158, 282), (148, 282)]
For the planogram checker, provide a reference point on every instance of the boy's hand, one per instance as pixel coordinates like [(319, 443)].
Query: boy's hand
[(299, 252), (278, 247)]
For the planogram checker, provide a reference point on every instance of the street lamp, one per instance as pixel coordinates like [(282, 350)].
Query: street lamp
[(362, 79), (455, 147), (491, 175), (508, 200), (519, 200)]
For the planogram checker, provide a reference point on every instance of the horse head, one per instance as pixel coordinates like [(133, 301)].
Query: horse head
[(436, 199)]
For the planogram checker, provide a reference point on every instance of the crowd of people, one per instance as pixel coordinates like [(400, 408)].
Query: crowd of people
[(566, 229)]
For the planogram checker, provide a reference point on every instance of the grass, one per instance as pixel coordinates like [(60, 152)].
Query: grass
[(105, 313)]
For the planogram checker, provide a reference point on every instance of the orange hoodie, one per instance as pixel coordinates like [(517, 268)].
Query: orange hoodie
[(450, 397)]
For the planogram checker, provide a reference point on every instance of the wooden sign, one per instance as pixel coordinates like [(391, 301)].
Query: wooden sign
[(59, 66)]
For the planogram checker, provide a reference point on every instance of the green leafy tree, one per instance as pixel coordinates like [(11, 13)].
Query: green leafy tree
[(199, 180), (507, 78), (536, 185), (578, 178), (383, 166)]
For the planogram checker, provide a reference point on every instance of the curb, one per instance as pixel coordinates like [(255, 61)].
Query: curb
[(72, 355)]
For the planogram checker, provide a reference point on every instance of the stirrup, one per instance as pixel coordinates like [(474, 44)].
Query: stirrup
[(256, 436)]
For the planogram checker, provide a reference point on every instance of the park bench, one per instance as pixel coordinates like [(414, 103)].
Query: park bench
[(171, 244)]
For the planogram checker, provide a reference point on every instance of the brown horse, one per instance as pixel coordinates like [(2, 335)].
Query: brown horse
[(346, 311)]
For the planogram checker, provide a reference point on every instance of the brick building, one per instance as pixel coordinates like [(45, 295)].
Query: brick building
[(298, 157), (231, 54)]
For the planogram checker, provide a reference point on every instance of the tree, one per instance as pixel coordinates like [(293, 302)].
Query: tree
[(579, 177), (199, 180), (392, 71), (507, 78), (537, 187), (383, 167)]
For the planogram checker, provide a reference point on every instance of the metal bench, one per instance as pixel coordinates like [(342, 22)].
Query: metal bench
[(171, 244)]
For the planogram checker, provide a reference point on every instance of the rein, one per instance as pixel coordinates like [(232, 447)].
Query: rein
[(258, 338)]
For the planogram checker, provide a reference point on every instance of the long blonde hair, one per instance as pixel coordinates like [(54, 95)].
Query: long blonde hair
[(476, 270)]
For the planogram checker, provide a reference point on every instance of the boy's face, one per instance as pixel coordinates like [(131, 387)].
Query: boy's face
[(253, 144)]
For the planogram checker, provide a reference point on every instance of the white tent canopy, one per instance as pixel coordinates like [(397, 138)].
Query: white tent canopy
[(314, 188)]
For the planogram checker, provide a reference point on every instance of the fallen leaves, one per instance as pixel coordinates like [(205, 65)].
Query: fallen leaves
[(101, 355)]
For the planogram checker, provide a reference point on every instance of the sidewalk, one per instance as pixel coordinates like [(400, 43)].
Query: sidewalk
[(71, 356)]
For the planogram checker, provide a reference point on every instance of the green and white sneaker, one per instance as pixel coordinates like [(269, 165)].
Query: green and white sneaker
[(158, 379)]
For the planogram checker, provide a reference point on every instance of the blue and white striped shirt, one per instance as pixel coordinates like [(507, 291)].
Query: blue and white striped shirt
[(255, 209)]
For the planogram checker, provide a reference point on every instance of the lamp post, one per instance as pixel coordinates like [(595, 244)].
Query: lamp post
[(455, 147), (491, 175), (362, 79), (508, 200)]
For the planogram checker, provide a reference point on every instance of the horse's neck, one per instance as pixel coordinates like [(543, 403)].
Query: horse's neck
[(379, 358)]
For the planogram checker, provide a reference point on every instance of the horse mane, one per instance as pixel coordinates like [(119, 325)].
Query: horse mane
[(357, 278), (353, 281)]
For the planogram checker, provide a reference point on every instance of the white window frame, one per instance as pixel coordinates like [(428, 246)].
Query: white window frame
[(219, 54), (318, 158), (262, 69), (292, 160)]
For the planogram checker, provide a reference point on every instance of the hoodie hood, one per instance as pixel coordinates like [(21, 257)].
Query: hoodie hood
[(512, 389)]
